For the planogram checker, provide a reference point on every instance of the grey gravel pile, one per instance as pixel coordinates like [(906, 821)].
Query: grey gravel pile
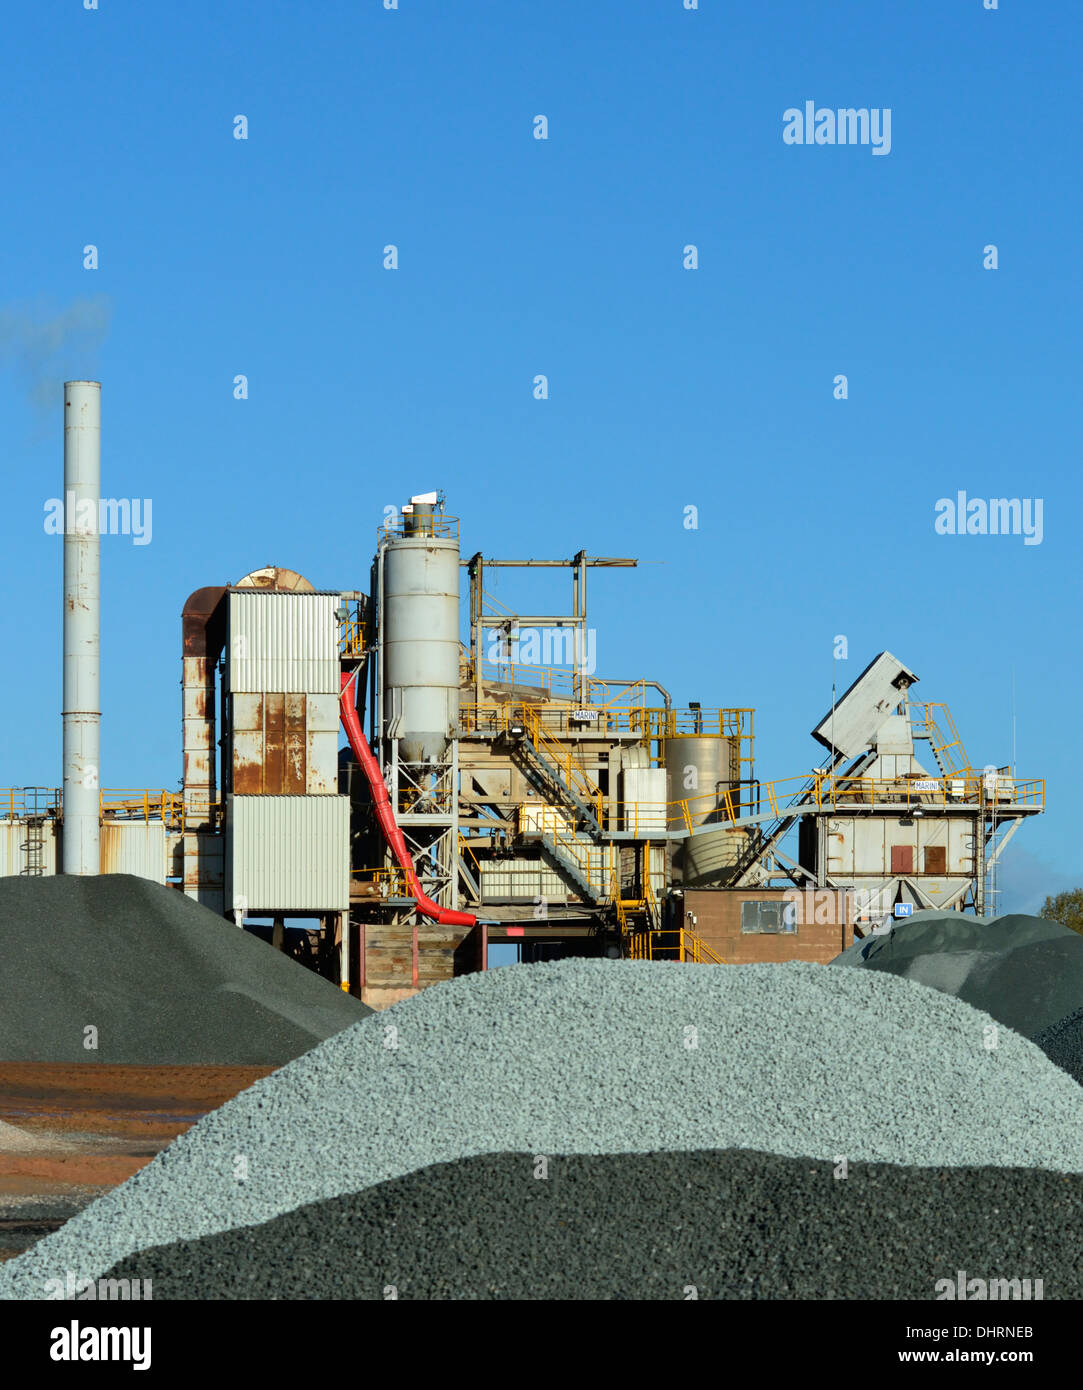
[(1027, 972), (734, 1224), (1063, 1044), (596, 1057), (160, 979)]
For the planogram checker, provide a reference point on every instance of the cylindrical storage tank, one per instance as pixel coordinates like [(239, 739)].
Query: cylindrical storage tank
[(709, 856), (421, 641), (699, 768)]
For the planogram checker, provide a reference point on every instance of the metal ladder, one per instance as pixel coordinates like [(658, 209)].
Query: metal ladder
[(35, 803)]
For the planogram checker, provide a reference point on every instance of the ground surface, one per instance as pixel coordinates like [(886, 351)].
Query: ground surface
[(82, 1128)]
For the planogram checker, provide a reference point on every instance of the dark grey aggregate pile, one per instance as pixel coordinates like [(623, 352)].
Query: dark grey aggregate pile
[(1063, 1044), (596, 1057), (1026, 972), (731, 1224), (162, 979)]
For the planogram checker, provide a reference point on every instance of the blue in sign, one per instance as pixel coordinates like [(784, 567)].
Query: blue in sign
[(904, 909)]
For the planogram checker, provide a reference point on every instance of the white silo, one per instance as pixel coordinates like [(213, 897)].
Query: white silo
[(420, 632)]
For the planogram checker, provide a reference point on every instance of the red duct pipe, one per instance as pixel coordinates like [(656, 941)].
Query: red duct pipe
[(386, 816)]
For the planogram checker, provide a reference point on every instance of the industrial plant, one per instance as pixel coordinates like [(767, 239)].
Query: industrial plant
[(493, 788)]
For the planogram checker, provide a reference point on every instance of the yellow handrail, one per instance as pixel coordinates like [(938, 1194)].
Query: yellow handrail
[(660, 945), (945, 748), (595, 862), (570, 768)]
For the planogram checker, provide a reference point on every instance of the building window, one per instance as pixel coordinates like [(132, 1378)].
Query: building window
[(774, 916)]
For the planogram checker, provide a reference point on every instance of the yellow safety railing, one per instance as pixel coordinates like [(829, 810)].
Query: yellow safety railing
[(712, 723), (678, 944), (948, 745), (568, 765), (970, 788), (145, 805), (16, 803), (620, 904), (696, 950), (417, 524), (494, 717), (391, 882), (825, 792), (615, 696), (351, 631), (595, 862), (115, 804)]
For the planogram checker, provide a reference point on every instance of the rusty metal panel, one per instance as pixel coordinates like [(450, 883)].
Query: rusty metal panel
[(295, 751), (285, 744), (283, 642), (274, 737), (902, 859), (288, 853), (134, 847), (248, 762)]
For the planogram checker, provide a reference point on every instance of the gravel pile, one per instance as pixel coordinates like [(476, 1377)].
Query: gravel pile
[(1026, 972), (157, 977), (597, 1057), (15, 1140), (1063, 1044), (732, 1224)]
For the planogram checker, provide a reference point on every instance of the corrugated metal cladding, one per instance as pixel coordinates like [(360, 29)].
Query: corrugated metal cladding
[(523, 880), (127, 847), (133, 847), (283, 642), (13, 856), (288, 853)]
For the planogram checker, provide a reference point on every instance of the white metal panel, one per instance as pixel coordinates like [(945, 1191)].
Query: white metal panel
[(863, 708), (323, 714), (321, 764), (523, 879), (323, 741), (644, 799), (12, 855), (134, 847), (288, 853), (286, 643), (894, 736)]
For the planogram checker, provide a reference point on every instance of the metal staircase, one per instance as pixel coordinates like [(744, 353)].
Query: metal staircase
[(762, 843), (560, 772), (576, 868)]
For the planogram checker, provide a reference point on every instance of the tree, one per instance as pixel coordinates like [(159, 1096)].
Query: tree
[(1066, 908)]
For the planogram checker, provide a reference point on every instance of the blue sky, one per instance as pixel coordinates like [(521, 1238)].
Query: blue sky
[(668, 387)]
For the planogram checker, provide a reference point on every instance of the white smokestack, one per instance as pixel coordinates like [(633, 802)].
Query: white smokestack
[(82, 626)]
